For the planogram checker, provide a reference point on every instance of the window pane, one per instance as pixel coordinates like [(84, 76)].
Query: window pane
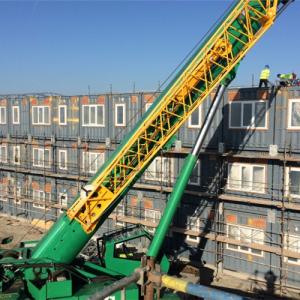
[(195, 176), (295, 118), (62, 116), (93, 115), (35, 115), (40, 115), (246, 179), (100, 115), (3, 115), (35, 156), (86, 115), (93, 162), (295, 182), (62, 161), (247, 114), (47, 158), (47, 115), (260, 114), (195, 120), (120, 115), (15, 114), (235, 115), (258, 179), (234, 176), (233, 232), (245, 235)]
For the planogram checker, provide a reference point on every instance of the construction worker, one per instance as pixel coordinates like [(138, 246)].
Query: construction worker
[(286, 79), (264, 76)]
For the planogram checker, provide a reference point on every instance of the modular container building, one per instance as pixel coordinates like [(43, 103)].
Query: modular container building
[(241, 208)]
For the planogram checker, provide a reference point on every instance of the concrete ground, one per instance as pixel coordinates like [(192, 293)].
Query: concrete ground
[(19, 230)]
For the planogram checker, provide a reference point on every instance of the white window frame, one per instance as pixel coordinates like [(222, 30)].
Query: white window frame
[(251, 182), (116, 114), (3, 192), (41, 158), (193, 224), (159, 175), (17, 194), (289, 118), (252, 126), (239, 248), (66, 159), (4, 109), (190, 125), (91, 158), (287, 237), (14, 155), (147, 105), (287, 183), (153, 216), (89, 124), (3, 148), (36, 109), (40, 196), (65, 114), (17, 108), (197, 167)]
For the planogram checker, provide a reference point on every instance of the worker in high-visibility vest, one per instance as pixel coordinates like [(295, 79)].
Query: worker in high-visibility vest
[(286, 79), (264, 76)]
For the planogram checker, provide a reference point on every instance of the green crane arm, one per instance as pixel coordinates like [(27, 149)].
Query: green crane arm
[(232, 38)]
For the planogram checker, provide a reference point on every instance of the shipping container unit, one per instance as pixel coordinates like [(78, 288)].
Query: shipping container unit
[(240, 211)]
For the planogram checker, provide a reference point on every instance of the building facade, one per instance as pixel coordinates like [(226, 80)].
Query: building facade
[(241, 208)]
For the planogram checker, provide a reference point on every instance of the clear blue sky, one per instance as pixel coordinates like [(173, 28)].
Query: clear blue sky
[(64, 46)]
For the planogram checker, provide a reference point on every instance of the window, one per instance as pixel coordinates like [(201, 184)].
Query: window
[(3, 192), (41, 157), (39, 198), (17, 194), (62, 114), (93, 115), (194, 120), (147, 105), (160, 169), (245, 235), (63, 159), (292, 185), (120, 114), (292, 243), (120, 212), (92, 161), (40, 115), (16, 155), (246, 177), (193, 223), (2, 114), (3, 153), (152, 216), (195, 176), (294, 114), (16, 115), (248, 114)]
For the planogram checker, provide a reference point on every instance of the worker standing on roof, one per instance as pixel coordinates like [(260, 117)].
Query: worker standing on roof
[(264, 76)]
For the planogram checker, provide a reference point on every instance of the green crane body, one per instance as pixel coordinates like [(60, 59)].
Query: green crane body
[(50, 270)]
